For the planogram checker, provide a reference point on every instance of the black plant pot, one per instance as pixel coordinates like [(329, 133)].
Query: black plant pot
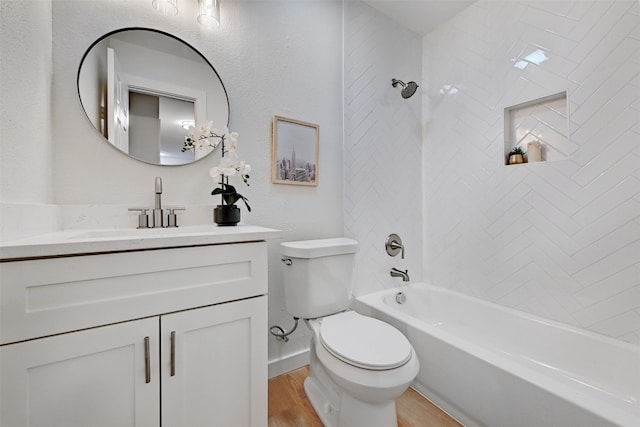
[(226, 215)]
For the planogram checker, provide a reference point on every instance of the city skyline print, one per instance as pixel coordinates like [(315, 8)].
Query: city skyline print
[(294, 157)]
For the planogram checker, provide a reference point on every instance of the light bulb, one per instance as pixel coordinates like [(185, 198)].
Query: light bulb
[(166, 7), (209, 13)]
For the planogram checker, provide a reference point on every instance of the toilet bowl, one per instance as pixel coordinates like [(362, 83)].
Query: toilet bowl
[(358, 365)]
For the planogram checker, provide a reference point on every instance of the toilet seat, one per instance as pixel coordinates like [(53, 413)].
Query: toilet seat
[(364, 342)]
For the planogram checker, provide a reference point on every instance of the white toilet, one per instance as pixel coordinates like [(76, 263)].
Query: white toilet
[(359, 365)]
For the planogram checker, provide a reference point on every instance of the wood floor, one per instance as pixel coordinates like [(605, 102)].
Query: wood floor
[(289, 407)]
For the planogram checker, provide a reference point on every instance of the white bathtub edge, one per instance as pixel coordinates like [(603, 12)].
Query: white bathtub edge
[(619, 414)]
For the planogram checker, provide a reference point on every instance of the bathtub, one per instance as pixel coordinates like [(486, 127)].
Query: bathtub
[(488, 365)]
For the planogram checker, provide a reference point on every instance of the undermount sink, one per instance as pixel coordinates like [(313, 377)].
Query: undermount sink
[(142, 233)]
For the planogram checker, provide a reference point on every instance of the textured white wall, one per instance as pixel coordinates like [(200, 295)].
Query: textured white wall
[(557, 239), (25, 69), (382, 148), (25, 120)]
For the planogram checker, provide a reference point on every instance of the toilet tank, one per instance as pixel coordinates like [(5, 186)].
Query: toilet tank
[(318, 277)]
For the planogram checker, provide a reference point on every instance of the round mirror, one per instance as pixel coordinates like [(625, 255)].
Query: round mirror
[(142, 89)]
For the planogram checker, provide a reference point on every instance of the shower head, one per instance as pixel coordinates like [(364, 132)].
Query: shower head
[(408, 89)]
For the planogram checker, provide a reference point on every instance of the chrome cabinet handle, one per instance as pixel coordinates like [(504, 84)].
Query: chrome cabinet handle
[(173, 353), (147, 361)]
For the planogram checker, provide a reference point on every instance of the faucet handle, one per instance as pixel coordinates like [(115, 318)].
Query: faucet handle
[(143, 218), (172, 218), (394, 245)]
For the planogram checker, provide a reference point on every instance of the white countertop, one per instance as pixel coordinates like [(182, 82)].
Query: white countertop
[(80, 241)]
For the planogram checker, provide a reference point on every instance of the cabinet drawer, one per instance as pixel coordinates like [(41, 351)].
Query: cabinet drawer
[(50, 296)]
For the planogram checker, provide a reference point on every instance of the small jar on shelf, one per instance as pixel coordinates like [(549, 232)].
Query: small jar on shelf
[(516, 156)]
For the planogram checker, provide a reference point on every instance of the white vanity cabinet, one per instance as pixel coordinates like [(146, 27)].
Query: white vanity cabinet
[(94, 377), (173, 337), (220, 374)]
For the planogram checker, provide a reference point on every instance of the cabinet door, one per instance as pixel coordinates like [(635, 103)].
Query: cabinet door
[(220, 376), (95, 377)]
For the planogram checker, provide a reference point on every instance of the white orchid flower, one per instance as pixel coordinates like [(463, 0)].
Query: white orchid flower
[(231, 144), (208, 136), (200, 144), (206, 128), (216, 172), (244, 168), (227, 167)]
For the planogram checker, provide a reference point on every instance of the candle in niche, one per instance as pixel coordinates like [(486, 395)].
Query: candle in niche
[(534, 152)]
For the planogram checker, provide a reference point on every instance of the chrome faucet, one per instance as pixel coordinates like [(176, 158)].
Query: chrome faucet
[(399, 273), (157, 210), (158, 219)]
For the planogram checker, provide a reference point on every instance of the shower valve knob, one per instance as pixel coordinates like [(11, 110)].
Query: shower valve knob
[(394, 246)]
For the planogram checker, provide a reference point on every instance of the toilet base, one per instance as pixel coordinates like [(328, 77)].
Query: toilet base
[(336, 408), (325, 409), (350, 412)]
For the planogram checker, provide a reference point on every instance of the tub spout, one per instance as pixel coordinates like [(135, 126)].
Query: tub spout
[(399, 273)]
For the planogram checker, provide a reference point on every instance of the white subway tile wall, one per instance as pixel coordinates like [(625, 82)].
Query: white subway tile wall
[(558, 239), (382, 149)]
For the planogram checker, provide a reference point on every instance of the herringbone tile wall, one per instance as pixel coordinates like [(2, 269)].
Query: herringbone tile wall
[(558, 239), (382, 145)]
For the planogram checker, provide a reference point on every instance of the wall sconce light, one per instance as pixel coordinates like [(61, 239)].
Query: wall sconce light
[(166, 7), (209, 13)]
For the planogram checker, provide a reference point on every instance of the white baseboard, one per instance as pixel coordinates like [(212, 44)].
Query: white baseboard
[(288, 363)]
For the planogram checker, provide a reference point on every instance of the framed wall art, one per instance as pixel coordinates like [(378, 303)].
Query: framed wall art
[(294, 152)]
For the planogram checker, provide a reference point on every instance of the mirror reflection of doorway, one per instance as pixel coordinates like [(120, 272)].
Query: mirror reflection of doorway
[(117, 103), (153, 63), (159, 119)]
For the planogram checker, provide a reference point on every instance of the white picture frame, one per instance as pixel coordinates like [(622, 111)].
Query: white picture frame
[(294, 152)]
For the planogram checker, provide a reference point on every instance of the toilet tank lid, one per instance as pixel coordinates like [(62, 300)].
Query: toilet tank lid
[(319, 248)]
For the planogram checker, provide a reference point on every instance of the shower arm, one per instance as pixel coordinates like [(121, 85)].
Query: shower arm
[(408, 89)]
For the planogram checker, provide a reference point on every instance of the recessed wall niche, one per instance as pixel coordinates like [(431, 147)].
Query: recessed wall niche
[(539, 127)]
